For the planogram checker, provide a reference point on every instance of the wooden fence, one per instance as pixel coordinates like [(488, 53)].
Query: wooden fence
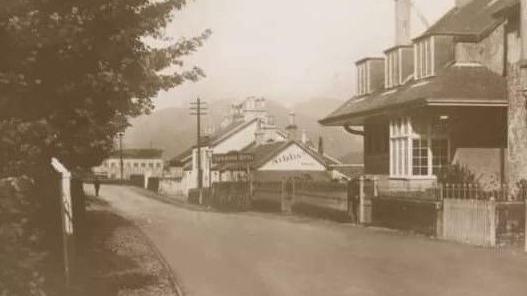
[(470, 221), (349, 201), (473, 215)]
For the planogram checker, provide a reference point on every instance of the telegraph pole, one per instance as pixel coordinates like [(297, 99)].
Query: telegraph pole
[(199, 108)]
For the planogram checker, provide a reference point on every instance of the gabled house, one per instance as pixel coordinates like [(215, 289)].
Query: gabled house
[(274, 161), (237, 132), (443, 100)]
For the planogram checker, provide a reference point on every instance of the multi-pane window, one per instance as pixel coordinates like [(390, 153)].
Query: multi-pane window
[(392, 71), (420, 157), (362, 78), (424, 58), (399, 147), (418, 147)]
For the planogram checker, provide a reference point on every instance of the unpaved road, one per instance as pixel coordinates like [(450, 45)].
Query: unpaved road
[(218, 254)]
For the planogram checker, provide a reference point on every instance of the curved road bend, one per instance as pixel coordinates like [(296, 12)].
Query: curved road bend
[(218, 254)]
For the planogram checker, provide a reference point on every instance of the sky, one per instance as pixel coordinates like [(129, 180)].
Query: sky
[(285, 50)]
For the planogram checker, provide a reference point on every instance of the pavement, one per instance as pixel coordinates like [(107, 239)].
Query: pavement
[(216, 254)]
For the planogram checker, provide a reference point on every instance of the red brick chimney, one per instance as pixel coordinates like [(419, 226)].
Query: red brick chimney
[(402, 22)]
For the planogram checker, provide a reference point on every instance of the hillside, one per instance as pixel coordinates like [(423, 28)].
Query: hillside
[(173, 129)]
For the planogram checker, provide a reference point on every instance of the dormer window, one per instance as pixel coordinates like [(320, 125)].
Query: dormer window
[(399, 66), (363, 71), (370, 75), (424, 58), (393, 69)]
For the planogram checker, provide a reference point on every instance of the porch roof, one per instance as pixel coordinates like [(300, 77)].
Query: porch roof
[(459, 85)]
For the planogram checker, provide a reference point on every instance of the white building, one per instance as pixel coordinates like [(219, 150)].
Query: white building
[(143, 162)]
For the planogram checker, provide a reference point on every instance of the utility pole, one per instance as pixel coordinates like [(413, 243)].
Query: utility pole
[(199, 108)]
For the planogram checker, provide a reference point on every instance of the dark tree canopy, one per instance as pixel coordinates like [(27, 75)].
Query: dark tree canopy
[(76, 70)]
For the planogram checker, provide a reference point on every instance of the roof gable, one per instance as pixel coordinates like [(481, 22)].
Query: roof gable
[(292, 156), (474, 20)]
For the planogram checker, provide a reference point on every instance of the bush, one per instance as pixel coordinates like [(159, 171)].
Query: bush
[(20, 236)]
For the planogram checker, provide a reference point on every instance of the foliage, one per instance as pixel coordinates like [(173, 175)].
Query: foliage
[(71, 74), (456, 174), (19, 236), (79, 69)]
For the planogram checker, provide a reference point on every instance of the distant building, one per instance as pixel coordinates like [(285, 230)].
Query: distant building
[(145, 162), (250, 129), (275, 161)]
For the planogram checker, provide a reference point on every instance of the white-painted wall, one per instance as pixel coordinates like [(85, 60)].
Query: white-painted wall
[(111, 167), (293, 158), (239, 140)]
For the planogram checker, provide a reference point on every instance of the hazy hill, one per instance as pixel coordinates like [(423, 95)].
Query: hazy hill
[(173, 129)]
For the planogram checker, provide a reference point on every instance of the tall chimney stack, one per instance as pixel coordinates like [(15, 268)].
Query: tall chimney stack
[(402, 22), (292, 129)]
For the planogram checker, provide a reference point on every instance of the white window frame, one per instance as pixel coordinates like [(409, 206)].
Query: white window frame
[(424, 58), (401, 148)]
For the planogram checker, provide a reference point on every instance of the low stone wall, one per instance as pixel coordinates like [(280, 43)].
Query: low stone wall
[(173, 187)]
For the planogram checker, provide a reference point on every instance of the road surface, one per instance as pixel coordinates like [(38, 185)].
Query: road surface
[(219, 254)]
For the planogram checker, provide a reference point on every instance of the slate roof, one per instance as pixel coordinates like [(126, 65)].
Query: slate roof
[(265, 152), (456, 85), (138, 153), (474, 20), (215, 139)]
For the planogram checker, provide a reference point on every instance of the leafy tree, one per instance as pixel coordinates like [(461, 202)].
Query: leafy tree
[(71, 74), (79, 69)]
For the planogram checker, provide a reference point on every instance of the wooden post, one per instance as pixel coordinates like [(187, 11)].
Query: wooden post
[(491, 208), (362, 214), (525, 234), (285, 198), (66, 213)]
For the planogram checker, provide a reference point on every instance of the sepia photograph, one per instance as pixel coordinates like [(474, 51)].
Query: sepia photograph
[(263, 148)]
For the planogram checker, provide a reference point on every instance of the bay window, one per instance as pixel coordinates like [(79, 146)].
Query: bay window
[(418, 147)]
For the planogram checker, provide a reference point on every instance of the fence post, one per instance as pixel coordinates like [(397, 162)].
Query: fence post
[(285, 202), (493, 221), (66, 212), (525, 218), (362, 214)]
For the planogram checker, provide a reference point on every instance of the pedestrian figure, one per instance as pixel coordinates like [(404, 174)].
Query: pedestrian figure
[(97, 186)]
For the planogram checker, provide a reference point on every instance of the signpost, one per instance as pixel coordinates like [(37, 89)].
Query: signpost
[(233, 158)]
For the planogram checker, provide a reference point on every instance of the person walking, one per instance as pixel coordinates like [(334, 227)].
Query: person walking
[(97, 185)]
